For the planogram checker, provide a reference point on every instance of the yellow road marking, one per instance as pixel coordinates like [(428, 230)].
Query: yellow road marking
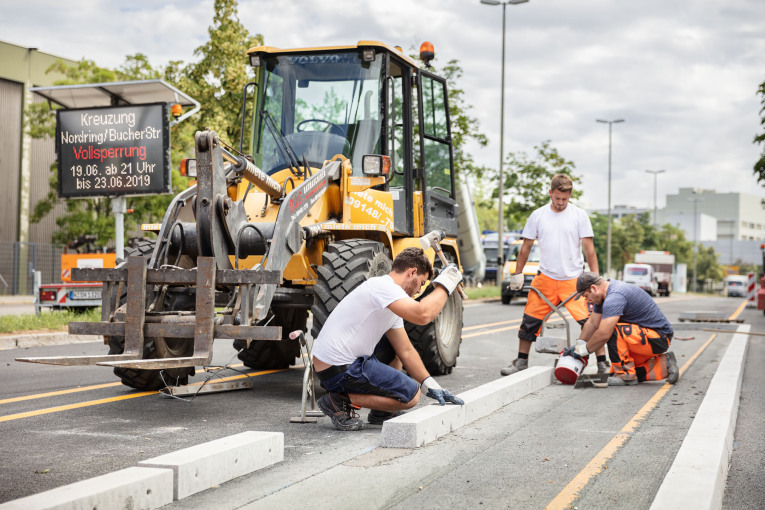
[(491, 324), (109, 400), (738, 310), (88, 388), (565, 498)]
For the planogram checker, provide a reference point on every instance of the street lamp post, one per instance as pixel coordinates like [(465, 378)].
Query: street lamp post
[(608, 236), (695, 200), (655, 172), (500, 223)]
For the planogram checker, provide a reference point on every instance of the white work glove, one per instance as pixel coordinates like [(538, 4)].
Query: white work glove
[(516, 281), (449, 278), (581, 348)]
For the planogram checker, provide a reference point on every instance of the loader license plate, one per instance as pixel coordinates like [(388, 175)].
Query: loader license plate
[(86, 294)]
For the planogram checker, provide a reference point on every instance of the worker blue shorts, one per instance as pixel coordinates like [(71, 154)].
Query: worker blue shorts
[(368, 375)]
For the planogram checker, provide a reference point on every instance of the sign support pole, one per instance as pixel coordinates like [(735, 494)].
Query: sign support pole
[(119, 208)]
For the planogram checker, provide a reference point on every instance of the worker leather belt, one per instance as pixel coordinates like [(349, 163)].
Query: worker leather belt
[(331, 372)]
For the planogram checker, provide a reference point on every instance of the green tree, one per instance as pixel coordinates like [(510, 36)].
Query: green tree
[(527, 181), (759, 166), (218, 78), (216, 81), (707, 266)]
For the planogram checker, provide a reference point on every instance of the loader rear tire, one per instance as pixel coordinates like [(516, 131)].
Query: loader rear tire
[(346, 265), (438, 342), (151, 380), (271, 355)]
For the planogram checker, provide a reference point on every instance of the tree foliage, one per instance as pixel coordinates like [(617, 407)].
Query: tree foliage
[(759, 166), (527, 181), (216, 81)]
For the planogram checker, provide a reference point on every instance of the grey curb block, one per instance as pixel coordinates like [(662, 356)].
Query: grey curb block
[(44, 339), (159, 481), (698, 474)]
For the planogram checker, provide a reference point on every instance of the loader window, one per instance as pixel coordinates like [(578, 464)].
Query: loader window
[(436, 137), (328, 104)]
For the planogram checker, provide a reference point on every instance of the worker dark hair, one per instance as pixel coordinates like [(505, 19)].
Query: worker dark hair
[(562, 182), (413, 257)]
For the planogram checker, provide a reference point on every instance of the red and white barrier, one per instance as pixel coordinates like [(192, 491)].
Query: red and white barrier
[(751, 291)]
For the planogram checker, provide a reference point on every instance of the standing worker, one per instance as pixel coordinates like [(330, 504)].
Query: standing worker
[(637, 332), (563, 230), (362, 346)]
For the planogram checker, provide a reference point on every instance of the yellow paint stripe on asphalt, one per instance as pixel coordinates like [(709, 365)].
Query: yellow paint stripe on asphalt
[(565, 498), (61, 392), (491, 324), (89, 388), (109, 400), (738, 310)]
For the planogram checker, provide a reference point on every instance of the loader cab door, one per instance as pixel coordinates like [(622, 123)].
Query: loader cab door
[(398, 141), (435, 165)]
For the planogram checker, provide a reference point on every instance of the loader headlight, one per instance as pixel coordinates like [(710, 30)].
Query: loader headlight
[(375, 164), (189, 167), (256, 61)]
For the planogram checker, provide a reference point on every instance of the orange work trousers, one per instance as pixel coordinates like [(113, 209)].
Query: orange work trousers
[(638, 353), (536, 309)]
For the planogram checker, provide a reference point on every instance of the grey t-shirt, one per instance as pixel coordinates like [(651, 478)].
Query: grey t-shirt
[(634, 305)]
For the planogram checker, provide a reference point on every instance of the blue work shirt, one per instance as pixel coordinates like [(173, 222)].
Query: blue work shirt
[(634, 305)]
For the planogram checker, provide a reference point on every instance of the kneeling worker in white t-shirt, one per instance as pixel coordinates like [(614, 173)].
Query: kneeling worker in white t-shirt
[(361, 347)]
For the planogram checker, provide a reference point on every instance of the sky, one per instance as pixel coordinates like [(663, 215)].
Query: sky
[(683, 74)]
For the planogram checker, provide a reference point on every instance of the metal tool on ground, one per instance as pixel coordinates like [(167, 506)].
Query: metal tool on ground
[(309, 390), (433, 240), (554, 345)]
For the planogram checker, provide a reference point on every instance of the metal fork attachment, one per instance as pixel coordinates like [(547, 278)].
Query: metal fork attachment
[(139, 324)]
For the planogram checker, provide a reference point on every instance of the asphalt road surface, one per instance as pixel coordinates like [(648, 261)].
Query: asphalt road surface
[(60, 425)]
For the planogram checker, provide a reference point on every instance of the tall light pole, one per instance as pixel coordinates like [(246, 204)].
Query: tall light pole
[(500, 222), (608, 242), (695, 200), (655, 173)]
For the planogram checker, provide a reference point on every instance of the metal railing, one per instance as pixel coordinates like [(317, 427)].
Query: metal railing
[(19, 261)]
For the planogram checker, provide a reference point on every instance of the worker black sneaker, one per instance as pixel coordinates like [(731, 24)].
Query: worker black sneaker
[(673, 372), (376, 417), (341, 411)]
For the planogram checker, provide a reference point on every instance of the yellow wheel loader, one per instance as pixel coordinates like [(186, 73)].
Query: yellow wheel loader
[(350, 161)]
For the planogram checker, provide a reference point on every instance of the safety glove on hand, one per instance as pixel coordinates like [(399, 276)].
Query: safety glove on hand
[(516, 281), (578, 351), (436, 392), (449, 278)]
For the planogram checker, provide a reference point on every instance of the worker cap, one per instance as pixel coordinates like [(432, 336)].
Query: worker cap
[(584, 281)]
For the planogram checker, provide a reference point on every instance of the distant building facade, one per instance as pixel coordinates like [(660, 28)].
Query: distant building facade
[(24, 162)]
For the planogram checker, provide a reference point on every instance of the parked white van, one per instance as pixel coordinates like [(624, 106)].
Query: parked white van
[(736, 285), (642, 276)]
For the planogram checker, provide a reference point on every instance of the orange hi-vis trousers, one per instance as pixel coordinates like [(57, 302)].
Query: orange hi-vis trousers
[(536, 309), (638, 353)]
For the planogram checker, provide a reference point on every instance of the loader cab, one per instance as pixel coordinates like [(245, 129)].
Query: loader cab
[(312, 104)]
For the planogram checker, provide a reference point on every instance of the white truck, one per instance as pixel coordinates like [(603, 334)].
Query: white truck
[(663, 264)]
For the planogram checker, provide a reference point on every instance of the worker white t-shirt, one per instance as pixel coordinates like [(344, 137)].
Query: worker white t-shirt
[(360, 320), (560, 239)]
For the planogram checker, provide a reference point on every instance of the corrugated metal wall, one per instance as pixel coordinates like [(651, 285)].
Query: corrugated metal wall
[(43, 155), (10, 157)]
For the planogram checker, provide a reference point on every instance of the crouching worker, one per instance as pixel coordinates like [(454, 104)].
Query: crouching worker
[(637, 332), (361, 347)]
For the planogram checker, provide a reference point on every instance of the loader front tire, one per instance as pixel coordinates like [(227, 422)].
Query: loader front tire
[(275, 355), (151, 380), (345, 266)]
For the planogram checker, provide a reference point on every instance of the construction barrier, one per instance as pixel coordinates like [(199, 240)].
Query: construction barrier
[(751, 291)]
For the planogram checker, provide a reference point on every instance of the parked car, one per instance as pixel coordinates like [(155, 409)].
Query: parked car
[(735, 285), (642, 276), (529, 270)]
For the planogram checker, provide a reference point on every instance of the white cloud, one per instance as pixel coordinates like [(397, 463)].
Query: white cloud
[(683, 74)]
